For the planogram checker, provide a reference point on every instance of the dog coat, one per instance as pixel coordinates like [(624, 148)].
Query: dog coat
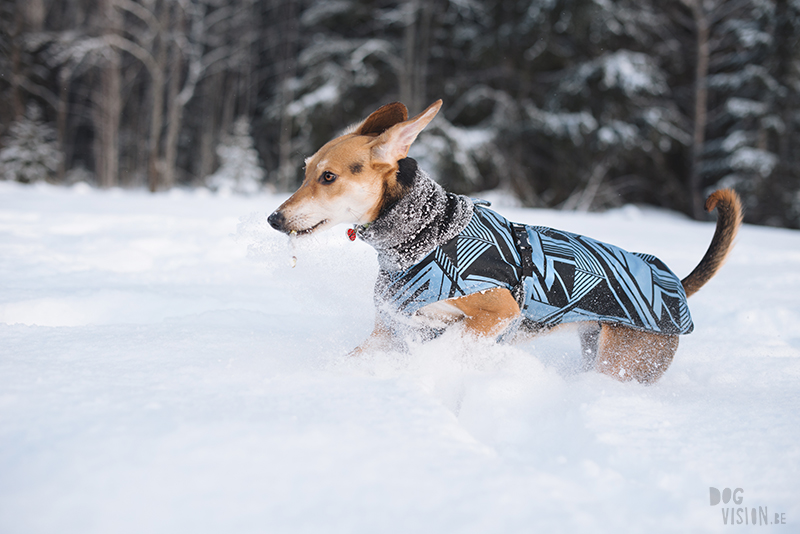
[(556, 277)]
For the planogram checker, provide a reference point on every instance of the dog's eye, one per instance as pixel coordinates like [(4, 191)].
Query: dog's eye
[(327, 177)]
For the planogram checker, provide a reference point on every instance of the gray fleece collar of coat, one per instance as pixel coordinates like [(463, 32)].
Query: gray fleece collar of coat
[(426, 217)]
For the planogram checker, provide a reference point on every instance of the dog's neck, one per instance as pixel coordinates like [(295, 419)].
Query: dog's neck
[(423, 218)]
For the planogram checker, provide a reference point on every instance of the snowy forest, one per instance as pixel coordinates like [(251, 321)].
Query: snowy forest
[(573, 104)]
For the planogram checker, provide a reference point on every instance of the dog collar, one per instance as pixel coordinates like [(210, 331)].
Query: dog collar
[(352, 233)]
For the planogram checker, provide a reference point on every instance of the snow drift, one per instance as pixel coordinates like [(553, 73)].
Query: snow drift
[(164, 369)]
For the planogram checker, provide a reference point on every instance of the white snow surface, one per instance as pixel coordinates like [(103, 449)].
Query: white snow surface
[(164, 369)]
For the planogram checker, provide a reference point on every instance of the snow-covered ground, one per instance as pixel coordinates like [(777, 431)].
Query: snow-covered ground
[(163, 369)]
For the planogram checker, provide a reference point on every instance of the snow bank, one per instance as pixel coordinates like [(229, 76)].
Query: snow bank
[(165, 369)]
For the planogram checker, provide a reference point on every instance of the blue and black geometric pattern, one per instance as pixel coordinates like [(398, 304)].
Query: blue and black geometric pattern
[(564, 277), (576, 278)]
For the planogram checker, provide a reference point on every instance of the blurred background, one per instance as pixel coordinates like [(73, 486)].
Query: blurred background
[(574, 104)]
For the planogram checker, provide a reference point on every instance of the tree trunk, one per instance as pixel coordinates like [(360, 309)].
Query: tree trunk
[(210, 92), (28, 17), (17, 105), (421, 68), (417, 37), (175, 108), (407, 84), (700, 106), (286, 170), (155, 165), (109, 108), (64, 77)]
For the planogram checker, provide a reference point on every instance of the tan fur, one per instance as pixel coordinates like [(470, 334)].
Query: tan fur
[(382, 119), (487, 313), (317, 204), (729, 218), (626, 353), (364, 164)]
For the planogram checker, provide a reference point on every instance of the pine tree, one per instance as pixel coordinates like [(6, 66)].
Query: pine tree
[(574, 103), (597, 125), (30, 153), (239, 170), (744, 120), (779, 196)]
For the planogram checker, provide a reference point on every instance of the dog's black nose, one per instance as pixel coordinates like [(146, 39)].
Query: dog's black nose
[(277, 220)]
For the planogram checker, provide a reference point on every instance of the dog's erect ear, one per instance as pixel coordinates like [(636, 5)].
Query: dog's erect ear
[(393, 144), (383, 119)]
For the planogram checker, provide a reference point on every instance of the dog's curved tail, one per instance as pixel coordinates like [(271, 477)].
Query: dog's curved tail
[(729, 218)]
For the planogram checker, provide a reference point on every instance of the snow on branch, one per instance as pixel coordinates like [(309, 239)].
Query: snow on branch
[(631, 72)]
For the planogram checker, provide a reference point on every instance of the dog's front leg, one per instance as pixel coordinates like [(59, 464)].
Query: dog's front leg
[(488, 313), (379, 339)]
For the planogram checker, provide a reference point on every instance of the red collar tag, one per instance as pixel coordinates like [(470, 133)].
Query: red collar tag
[(351, 234)]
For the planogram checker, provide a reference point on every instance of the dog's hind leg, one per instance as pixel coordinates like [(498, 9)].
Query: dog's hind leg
[(626, 353), (589, 335)]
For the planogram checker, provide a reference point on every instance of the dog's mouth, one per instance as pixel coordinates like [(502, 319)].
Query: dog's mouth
[(307, 231)]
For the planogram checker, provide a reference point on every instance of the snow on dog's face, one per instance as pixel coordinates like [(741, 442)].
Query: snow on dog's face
[(351, 177)]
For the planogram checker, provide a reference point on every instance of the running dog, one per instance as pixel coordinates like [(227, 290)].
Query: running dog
[(446, 258)]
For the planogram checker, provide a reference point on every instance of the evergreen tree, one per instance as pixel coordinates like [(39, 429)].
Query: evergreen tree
[(579, 104), (744, 118), (780, 196), (239, 170), (597, 125), (30, 153)]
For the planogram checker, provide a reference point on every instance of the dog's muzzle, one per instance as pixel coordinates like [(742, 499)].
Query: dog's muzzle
[(277, 221)]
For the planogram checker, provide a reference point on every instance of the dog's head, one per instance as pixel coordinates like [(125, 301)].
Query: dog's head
[(353, 176)]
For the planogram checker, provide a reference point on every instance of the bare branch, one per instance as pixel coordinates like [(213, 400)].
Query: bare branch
[(136, 51), (140, 12), (39, 91)]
